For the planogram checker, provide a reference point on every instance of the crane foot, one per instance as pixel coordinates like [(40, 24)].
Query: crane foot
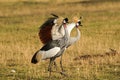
[(63, 73)]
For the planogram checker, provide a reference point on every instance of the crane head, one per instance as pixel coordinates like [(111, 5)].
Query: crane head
[(65, 20), (77, 21)]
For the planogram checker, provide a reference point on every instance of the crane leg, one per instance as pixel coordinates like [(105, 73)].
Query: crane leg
[(49, 67), (55, 65), (62, 70), (51, 63), (61, 64)]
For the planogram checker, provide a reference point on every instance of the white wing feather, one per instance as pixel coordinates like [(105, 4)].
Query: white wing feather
[(50, 53), (56, 33)]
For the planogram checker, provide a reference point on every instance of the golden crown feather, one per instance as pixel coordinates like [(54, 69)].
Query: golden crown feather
[(75, 19)]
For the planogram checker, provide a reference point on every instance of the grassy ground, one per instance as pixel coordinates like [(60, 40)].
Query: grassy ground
[(19, 24)]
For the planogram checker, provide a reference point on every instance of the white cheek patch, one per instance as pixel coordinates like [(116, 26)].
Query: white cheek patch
[(77, 24), (50, 53), (64, 21), (55, 21)]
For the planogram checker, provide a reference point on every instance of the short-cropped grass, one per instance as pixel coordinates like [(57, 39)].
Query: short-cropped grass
[(19, 26)]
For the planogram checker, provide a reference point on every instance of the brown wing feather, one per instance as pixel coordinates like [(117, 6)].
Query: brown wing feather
[(45, 31)]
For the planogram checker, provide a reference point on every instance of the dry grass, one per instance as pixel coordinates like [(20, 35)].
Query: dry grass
[(19, 23)]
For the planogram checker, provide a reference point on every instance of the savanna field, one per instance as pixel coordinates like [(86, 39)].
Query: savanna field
[(90, 58)]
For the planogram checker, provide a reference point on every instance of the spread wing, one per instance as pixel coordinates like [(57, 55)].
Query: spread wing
[(51, 29), (45, 30)]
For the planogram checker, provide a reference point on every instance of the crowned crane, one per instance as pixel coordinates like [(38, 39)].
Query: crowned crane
[(56, 41), (52, 48)]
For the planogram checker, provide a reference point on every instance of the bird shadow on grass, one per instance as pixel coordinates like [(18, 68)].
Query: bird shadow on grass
[(111, 53)]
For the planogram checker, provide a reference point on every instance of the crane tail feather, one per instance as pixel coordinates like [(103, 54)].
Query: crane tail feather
[(35, 59)]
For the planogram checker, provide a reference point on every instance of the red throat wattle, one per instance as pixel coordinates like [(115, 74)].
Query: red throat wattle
[(64, 25)]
